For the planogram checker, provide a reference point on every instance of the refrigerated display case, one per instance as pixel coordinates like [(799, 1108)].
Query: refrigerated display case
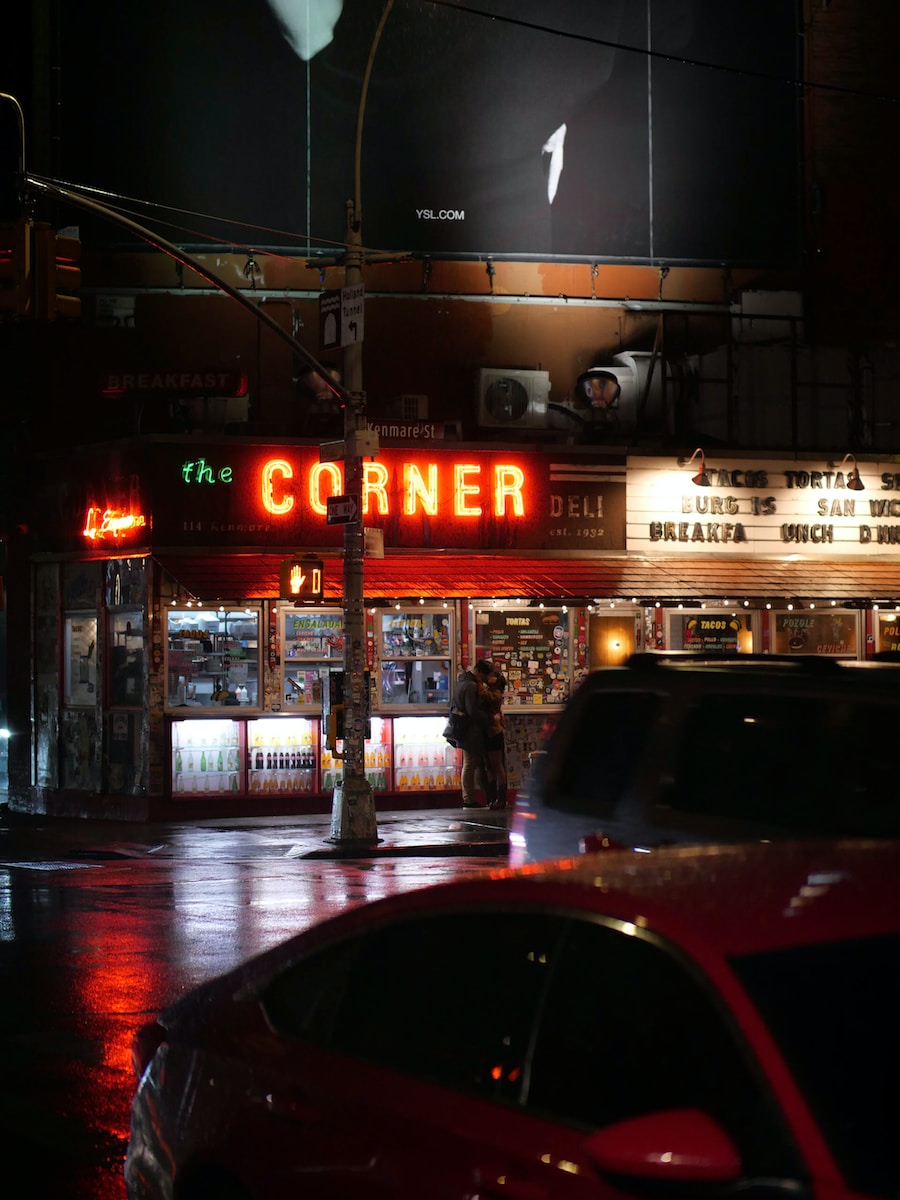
[(423, 761), (282, 754), (414, 657), (207, 757), (212, 657), (378, 759)]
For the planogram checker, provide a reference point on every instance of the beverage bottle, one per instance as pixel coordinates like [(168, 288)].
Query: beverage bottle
[(219, 761), (260, 762), (178, 760), (202, 760), (268, 760)]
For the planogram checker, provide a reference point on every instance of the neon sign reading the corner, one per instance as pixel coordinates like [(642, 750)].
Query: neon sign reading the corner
[(469, 487)]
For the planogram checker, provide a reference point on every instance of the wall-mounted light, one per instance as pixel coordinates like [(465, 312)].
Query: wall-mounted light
[(701, 479), (854, 483)]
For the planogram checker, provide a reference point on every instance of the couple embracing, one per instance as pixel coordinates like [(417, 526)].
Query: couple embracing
[(479, 694)]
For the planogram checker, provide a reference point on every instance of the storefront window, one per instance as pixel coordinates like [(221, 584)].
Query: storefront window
[(312, 644), (80, 650), (126, 659), (831, 632), (531, 647), (414, 648), (212, 657), (887, 628), (709, 631)]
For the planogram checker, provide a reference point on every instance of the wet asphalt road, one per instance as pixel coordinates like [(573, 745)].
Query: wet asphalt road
[(100, 926)]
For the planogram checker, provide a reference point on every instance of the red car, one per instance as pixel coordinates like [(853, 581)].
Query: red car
[(720, 1020)]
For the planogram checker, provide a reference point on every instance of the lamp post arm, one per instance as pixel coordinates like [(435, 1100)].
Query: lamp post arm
[(20, 122), (361, 112)]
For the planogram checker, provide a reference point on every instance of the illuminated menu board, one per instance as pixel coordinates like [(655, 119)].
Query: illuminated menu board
[(531, 648)]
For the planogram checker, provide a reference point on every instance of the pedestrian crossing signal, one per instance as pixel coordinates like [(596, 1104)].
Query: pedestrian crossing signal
[(302, 579)]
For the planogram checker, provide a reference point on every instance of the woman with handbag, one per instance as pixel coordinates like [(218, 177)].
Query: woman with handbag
[(471, 732)]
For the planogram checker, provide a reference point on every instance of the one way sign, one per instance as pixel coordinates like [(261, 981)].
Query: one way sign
[(341, 510)]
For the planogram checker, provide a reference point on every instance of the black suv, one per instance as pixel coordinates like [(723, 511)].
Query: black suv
[(697, 748)]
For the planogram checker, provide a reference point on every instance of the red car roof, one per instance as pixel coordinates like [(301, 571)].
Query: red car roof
[(738, 899)]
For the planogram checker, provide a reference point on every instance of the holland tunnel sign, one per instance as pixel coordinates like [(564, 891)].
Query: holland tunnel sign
[(247, 495)]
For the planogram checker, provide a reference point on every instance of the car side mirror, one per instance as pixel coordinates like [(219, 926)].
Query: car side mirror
[(681, 1145)]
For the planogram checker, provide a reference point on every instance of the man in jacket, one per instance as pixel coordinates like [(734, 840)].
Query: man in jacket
[(467, 698)]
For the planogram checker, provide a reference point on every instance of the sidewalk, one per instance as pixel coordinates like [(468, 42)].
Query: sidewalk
[(425, 833)]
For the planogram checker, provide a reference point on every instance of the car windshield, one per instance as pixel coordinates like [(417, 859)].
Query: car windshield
[(834, 1011)]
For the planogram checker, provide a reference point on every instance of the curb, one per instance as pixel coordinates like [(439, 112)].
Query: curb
[(438, 850)]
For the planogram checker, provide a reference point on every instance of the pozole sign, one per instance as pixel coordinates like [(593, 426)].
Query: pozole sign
[(755, 507)]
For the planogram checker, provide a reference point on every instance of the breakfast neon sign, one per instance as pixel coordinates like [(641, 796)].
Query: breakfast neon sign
[(469, 488)]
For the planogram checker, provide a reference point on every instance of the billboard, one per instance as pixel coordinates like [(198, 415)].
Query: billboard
[(665, 130)]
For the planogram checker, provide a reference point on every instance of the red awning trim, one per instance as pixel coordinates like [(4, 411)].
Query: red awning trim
[(244, 576)]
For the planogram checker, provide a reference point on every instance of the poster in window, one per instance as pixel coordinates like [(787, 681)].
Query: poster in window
[(810, 632)]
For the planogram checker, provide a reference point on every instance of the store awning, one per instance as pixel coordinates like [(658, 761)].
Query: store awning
[(397, 576)]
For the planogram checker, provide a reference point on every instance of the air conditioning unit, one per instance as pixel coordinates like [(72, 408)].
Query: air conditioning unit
[(508, 398)]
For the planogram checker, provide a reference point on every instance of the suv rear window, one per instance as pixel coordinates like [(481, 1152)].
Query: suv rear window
[(596, 768), (791, 761)]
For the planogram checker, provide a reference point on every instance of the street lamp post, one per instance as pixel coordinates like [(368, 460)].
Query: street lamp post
[(353, 806)]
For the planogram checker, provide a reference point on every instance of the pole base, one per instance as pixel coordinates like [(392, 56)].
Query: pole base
[(353, 813)]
